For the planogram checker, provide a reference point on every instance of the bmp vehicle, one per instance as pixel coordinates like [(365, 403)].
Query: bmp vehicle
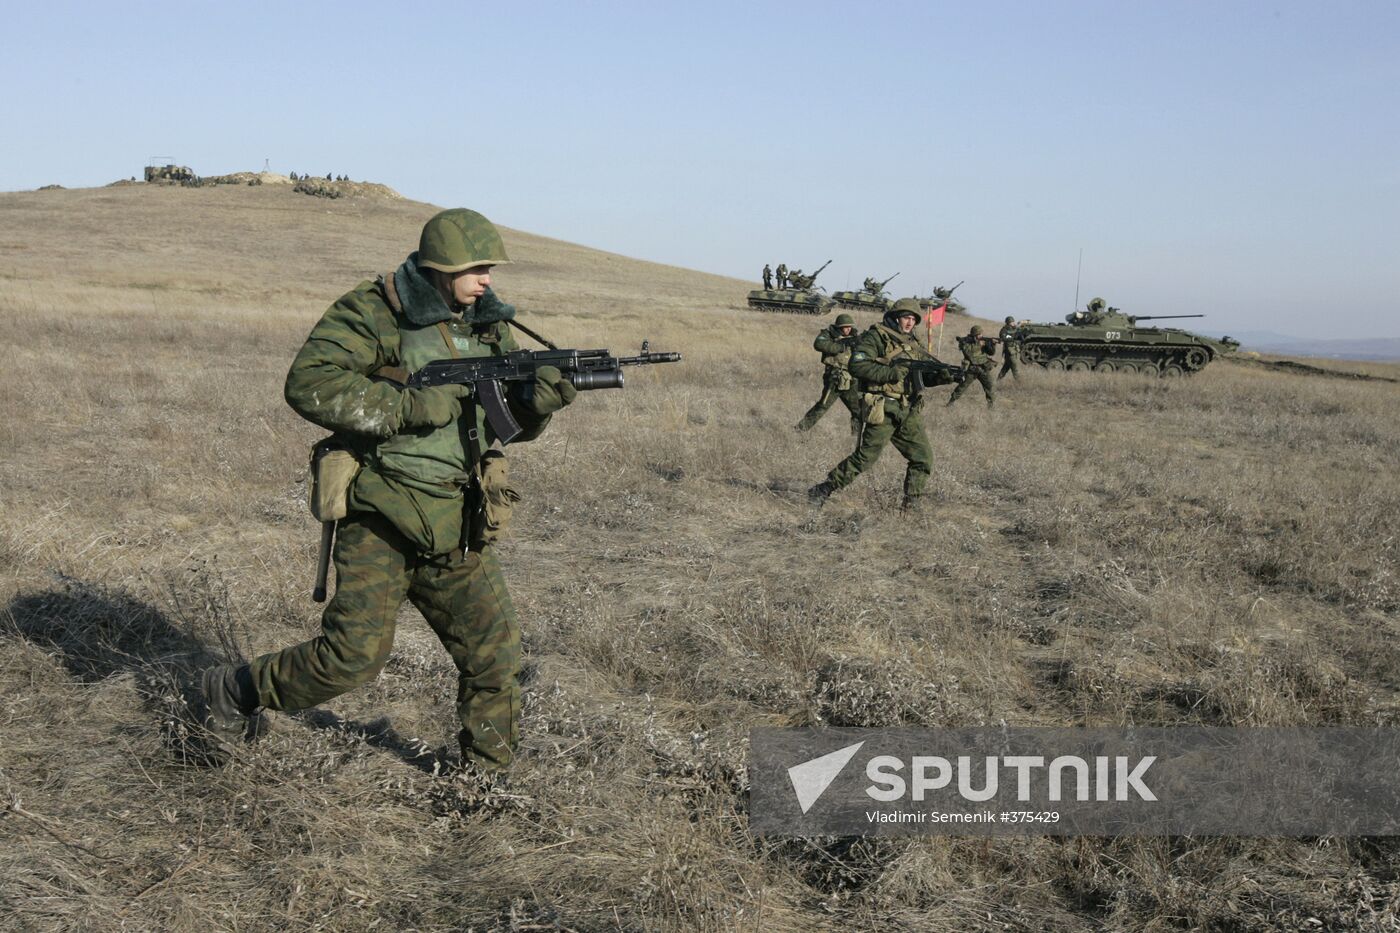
[(1105, 339)]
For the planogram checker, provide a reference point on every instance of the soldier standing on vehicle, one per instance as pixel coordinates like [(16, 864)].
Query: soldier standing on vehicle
[(782, 275), (767, 277), (977, 352), (418, 526), (1010, 350), (891, 403), (834, 343)]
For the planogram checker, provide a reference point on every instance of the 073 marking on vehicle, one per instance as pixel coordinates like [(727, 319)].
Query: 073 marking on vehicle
[(1113, 335)]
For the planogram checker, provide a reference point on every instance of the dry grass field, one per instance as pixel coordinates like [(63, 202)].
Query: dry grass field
[(1097, 551)]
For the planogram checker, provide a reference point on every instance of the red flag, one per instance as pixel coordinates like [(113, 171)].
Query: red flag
[(935, 315)]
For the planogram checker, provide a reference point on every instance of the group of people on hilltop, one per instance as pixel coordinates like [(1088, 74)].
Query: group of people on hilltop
[(885, 404), (329, 177)]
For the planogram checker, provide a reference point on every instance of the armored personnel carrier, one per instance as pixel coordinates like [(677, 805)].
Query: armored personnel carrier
[(800, 297), (871, 296), (1105, 339)]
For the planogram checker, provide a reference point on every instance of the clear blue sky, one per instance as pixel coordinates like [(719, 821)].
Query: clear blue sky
[(1239, 158)]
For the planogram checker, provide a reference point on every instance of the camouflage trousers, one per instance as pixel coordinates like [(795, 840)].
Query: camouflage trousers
[(904, 429), (830, 393), (465, 603), (982, 374), (1010, 363)]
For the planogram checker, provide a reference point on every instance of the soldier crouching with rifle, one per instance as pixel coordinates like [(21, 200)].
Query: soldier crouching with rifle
[(429, 497), (893, 370)]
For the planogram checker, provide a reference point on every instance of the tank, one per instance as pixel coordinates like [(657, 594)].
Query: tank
[(871, 296), (940, 297), (1107, 340), (801, 297)]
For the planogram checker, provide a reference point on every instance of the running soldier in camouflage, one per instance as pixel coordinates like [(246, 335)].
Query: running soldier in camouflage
[(978, 354), (892, 404), (834, 344), (416, 527)]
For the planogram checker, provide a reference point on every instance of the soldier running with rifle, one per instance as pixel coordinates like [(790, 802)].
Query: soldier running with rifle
[(894, 369)]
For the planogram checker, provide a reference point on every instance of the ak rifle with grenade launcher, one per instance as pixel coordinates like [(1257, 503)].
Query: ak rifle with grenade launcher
[(584, 369)]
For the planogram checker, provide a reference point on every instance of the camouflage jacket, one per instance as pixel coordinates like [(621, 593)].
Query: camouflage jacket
[(344, 379), (834, 348), (871, 356), (976, 350)]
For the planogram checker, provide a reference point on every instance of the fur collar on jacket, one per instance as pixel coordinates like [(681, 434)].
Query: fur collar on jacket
[(423, 304)]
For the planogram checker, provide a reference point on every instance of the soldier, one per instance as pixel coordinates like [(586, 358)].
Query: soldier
[(415, 527), (782, 275), (977, 353), (1094, 314), (871, 286), (767, 277), (834, 344), (1010, 353), (894, 405)]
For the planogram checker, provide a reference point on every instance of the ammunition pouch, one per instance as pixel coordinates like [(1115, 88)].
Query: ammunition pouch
[(872, 408), (334, 467), (837, 360), (495, 500), (839, 378)]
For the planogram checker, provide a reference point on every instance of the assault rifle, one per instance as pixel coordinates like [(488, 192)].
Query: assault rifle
[(925, 374), (585, 369)]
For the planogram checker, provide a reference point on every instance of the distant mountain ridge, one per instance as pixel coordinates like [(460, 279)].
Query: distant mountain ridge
[(1344, 348)]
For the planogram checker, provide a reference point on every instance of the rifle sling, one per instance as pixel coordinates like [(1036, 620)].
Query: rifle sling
[(530, 333)]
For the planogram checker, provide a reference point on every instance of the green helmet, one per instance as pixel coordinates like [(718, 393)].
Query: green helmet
[(1010, 319), (976, 330), (906, 306), (845, 320), (459, 239), (1098, 304)]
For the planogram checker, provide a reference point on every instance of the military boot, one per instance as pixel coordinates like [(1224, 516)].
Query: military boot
[(819, 493), (911, 503), (224, 708)]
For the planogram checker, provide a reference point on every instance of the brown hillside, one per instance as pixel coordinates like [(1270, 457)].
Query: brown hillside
[(1098, 551)]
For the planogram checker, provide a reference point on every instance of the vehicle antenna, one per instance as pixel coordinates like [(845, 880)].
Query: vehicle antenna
[(1077, 270)]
